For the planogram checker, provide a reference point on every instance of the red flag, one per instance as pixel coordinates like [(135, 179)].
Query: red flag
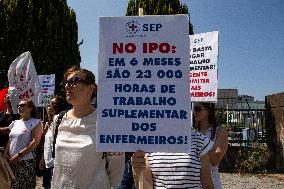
[(3, 93)]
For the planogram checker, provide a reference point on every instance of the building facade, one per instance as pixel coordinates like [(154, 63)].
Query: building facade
[(227, 99), (245, 99)]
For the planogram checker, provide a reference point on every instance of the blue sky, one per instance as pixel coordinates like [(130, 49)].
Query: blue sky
[(251, 47)]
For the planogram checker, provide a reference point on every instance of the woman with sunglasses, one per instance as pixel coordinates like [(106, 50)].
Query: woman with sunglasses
[(76, 163), (25, 135), (204, 121)]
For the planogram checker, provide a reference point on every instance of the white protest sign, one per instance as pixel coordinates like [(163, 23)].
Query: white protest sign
[(203, 67), (23, 79), (12, 93), (47, 83), (143, 99)]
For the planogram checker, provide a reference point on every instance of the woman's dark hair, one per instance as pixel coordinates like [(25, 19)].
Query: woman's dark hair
[(87, 76), (31, 105), (60, 104), (7, 101), (210, 107)]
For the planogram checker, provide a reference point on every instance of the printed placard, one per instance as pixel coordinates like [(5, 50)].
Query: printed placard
[(47, 83), (143, 101), (203, 67)]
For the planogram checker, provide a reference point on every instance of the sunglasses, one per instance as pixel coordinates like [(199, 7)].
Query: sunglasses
[(21, 105), (72, 82), (51, 104), (198, 109)]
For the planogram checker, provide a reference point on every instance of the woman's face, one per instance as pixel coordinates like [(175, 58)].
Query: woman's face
[(51, 106), (7, 101), (78, 91), (200, 112), (24, 109)]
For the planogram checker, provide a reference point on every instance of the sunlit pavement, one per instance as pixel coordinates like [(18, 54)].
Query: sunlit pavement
[(252, 181)]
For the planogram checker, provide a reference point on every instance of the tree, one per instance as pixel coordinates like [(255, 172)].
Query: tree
[(221, 117), (48, 29), (158, 7)]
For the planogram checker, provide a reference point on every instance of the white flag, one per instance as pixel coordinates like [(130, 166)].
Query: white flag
[(23, 78)]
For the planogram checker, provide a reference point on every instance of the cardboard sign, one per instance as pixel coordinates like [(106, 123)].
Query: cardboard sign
[(203, 67), (47, 83), (143, 99)]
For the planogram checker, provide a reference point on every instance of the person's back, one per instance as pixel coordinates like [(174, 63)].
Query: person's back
[(183, 170), (5, 120)]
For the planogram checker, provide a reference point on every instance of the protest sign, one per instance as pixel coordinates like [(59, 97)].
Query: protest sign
[(143, 99), (14, 99), (23, 79), (203, 67), (47, 83)]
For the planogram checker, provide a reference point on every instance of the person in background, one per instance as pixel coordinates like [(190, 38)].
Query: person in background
[(25, 135), (6, 118), (76, 162), (56, 105), (204, 122), (176, 170), (127, 179)]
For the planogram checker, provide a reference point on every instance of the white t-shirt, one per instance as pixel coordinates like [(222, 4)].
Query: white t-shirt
[(77, 165), (180, 170), (21, 136), (48, 142), (215, 175)]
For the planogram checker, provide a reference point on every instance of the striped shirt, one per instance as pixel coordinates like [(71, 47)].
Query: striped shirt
[(180, 170)]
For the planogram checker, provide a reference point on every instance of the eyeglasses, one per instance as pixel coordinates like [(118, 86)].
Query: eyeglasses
[(72, 82), (198, 108), (21, 105)]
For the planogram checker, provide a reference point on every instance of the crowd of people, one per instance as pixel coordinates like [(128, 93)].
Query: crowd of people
[(68, 158)]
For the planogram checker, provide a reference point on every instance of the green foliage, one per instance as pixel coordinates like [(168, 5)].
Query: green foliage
[(221, 117), (48, 29), (253, 159), (158, 7)]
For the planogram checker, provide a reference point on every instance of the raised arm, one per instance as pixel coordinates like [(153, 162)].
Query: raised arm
[(205, 173), (220, 147)]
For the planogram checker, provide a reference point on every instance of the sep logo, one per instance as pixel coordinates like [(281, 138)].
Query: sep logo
[(132, 27)]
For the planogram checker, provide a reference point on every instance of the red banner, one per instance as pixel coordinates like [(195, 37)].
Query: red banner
[(3, 93)]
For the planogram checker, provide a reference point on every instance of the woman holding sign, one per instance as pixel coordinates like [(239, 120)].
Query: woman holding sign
[(76, 162), (175, 170), (204, 122)]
